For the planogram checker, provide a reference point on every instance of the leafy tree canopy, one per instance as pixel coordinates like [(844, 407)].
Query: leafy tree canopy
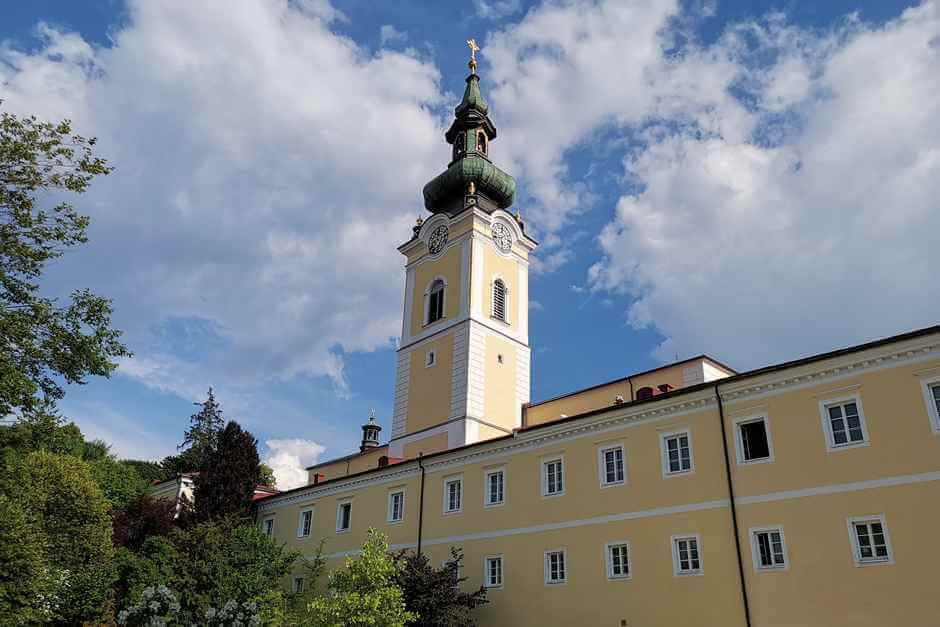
[(24, 581), (434, 594), (227, 484)]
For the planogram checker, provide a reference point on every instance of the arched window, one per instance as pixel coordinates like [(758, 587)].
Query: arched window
[(481, 142), (435, 301), (644, 393), (499, 300), (460, 144)]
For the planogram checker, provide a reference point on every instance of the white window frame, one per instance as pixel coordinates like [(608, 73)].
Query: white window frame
[(486, 486), (543, 475), (446, 483), (430, 358), (856, 549), (427, 301), (755, 549), (302, 581), (545, 564), (390, 518), (300, 523), (445, 563), (739, 440), (267, 526), (664, 452), (608, 560), (927, 384), (602, 464), (505, 318), (486, 572), (674, 542), (339, 516), (824, 406)]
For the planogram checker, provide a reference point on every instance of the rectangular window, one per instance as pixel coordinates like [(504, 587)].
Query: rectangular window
[(870, 541), (553, 477), (495, 488), (611, 465), (844, 423), (768, 549), (555, 567), (935, 394), (429, 359), (436, 305), (618, 560), (396, 506), (932, 399), (343, 516), (685, 555), (305, 523), (493, 571), (753, 440), (677, 453), (267, 526), (453, 497), (454, 568), (298, 585)]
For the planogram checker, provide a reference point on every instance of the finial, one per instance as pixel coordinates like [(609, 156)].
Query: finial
[(472, 188), (372, 416), (419, 221), (518, 217), (474, 48)]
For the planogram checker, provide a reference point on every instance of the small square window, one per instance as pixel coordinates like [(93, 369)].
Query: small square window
[(453, 495), (556, 568), (677, 453), (305, 523), (430, 359), (493, 571), (396, 506), (686, 559), (752, 440), (870, 542), (343, 516), (769, 549), (298, 585), (844, 423), (618, 560), (494, 491), (611, 465), (267, 527), (553, 477)]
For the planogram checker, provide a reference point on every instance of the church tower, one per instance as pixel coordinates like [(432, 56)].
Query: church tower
[(462, 372)]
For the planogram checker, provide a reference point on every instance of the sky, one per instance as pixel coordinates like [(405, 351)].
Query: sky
[(758, 181)]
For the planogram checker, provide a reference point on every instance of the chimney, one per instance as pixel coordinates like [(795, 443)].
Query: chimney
[(318, 478)]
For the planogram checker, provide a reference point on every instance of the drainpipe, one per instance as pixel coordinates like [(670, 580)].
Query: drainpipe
[(734, 512), (632, 398), (420, 505)]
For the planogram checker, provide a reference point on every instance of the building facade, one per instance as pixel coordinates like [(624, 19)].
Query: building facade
[(795, 495)]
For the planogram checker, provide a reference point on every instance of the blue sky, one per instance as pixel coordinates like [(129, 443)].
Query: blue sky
[(754, 180)]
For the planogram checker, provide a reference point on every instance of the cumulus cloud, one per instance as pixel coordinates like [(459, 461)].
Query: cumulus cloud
[(388, 33), (289, 458), (496, 9)]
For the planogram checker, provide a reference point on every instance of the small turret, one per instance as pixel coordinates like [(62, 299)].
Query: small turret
[(370, 433)]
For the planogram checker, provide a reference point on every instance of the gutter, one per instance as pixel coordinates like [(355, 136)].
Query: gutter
[(420, 505), (734, 512)]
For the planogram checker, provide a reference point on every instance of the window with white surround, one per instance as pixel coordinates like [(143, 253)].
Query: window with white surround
[(844, 423), (396, 506), (298, 585), (611, 465), (494, 487), (455, 568), (435, 301), (267, 527), (343, 516), (752, 440), (677, 452), (304, 523), (499, 300), (430, 358), (493, 571), (553, 476), (769, 549), (932, 399), (870, 542), (686, 558), (453, 495), (617, 555), (556, 566)]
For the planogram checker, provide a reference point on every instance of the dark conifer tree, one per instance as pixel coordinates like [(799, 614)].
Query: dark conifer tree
[(227, 483)]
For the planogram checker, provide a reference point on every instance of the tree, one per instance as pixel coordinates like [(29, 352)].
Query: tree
[(118, 481), (364, 592), (266, 476), (43, 342), (41, 428), (141, 518), (205, 426), (227, 484), (24, 583), (434, 594), (149, 472)]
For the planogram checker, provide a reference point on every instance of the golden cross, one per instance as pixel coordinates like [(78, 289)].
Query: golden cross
[(474, 48)]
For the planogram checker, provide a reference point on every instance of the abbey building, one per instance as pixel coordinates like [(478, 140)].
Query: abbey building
[(800, 494)]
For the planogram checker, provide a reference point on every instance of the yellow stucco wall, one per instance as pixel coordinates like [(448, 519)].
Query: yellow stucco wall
[(352, 465), (447, 267), (500, 400), (430, 386), (426, 446)]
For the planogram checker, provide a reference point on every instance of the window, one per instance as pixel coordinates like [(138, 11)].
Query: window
[(932, 399), (844, 423), (611, 467), (305, 523), (768, 549), (644, 393), (618, 560), (494, 492), (430, 358), (454, 568), (677, 453), (343, 516), (685, 555), (493, 571), (553, 477), (453, 495), (481, 142), (752, 440), (459, 144), (499, 300), (556, 568), (870, 542), (435, 301), (267, 526), (396, 506), (298, 585)]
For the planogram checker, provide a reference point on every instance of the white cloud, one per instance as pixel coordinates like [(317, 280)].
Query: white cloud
[(289, 458), (496, 9), (388, 33), (267, 168)]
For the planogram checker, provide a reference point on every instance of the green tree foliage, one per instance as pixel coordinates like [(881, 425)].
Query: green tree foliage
[(23, 578), (43, 342), (226, 486), (71, 514), (149, 472), (141, 518), (205, 426), (119, 482), (434, 594), (266, 476), (364, 592), (42, 429)]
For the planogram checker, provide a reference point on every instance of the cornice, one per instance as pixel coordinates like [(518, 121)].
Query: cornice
[(394, 473)]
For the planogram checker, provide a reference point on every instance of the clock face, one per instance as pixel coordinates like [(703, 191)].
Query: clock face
[(438, 239), (502, 237)]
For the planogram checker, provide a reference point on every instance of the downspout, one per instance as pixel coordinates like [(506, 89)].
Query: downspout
[(734, 511), (420, 505), (630, 379)]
